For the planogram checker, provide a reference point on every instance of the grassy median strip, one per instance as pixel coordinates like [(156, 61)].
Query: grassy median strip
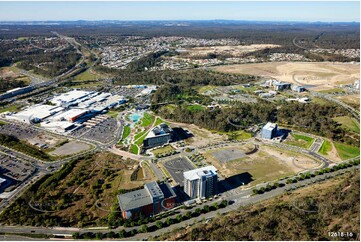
[(325, 148)]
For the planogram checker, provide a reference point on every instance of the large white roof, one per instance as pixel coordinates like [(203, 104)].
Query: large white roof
[(197, 173), (270, 126), (38, 111), (70, 96)]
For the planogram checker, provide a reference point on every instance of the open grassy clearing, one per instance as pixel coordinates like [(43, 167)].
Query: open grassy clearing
[(159, 121), (320, 101), (3, 122), (85, 76), (348, 123), (112, 113), (300, 141), (11, 108), (147, 120), (126, 132), (346, 151), (325, 148), (85, 84), (206, 88), (134, 149), (195, 108), (138, 135), (163, 150), (237, 135)]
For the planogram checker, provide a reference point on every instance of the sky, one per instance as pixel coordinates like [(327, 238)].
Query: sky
[(326, 11)]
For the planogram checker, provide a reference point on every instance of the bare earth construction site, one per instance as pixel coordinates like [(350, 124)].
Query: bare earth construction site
[(317, 75)]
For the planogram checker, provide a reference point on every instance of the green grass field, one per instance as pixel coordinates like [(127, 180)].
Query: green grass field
[(346, 151), (339, 90), (85, 76), (22, 38), (3, 122), (319, 100), (126, 132), (147, 120), (163, 150), (141, 138), (300, 141), (237, 135), (134, 149), (112, 114), (79, 84), (206, 88), (11, 108), (195, 108), (325, 148), (348, 123), (140, 134), (159, 121)]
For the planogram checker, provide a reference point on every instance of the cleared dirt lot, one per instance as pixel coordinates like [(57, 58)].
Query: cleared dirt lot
[(267, 164), (70, 148), (8, 73), (321, 75), (236, 50)]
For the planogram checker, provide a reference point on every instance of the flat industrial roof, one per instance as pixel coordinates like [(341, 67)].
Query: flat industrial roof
[(134, 199), (71, 113), (196, 173), (153, 189), (143, 197), (270, 126), (70, 96), (38, 111), (57, 124)]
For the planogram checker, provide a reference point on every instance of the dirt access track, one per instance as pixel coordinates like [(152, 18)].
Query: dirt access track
[(316, 75)]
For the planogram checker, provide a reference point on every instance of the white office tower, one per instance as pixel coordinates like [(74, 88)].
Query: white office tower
[(201, 182)]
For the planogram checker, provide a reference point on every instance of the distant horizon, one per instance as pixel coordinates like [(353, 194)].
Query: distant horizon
[(267, 11), (179, 20)]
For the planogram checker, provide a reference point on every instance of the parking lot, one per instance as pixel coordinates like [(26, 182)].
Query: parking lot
[(18, 131), (125, 91), (102, 132), (14, 169), (176, 167)]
